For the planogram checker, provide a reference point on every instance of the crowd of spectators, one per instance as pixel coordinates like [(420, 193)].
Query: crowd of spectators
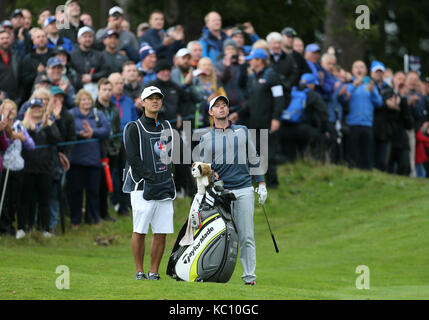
[(67, 91)]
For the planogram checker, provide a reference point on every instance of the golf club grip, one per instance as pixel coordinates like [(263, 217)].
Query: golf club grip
[(275, 243)]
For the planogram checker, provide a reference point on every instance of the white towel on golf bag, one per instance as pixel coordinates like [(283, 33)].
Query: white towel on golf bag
[(188, 238)]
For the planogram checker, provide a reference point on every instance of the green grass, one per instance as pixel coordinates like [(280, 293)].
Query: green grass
[(327, 220)]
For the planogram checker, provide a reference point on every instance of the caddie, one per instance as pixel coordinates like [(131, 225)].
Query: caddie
[(148, 178)]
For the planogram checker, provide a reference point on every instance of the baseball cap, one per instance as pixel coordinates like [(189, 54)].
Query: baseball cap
[(312, 47), (145, 50), (70, 1), (116, 10), (147, 92), (57, 90), (53, 62), (257, 54), (42, 78), (290, 32), (213, 101), (35, 102), (49, 20), (309, 78), (83, 30), (16, 12), (377, 65), (7, 24), (110, 32), (182, 52)]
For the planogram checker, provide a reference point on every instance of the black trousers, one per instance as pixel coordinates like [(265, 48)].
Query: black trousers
[(36, 190), (11, 200), (299, 140), (399, 161), (82, 178), (359, 147)]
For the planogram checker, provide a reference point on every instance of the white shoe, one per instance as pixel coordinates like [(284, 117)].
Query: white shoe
[(20, 234), (47, 234)]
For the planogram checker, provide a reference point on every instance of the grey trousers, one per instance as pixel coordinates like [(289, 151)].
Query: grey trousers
[(242, 212)]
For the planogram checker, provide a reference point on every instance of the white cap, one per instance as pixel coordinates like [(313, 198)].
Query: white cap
[(150, 91), (84, 30), (182, 52), (213, 101), (114, 10)]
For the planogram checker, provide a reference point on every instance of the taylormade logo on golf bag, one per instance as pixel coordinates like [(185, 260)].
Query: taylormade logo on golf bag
[(187, 257)]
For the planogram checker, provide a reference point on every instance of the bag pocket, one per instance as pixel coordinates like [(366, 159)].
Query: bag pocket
[(159, 191)]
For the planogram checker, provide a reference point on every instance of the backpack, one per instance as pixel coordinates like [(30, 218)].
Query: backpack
[(294, 112), (213, 254)]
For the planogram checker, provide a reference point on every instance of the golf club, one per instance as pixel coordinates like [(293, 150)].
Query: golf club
[(272, 235)]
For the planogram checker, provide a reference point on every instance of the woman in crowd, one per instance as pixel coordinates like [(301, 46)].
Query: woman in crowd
[(38, 167), (85, 165), (211, 86), (19, 139)]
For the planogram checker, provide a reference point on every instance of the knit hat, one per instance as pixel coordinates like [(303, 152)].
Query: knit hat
[(145, 50), (229, 42), (162, 65)]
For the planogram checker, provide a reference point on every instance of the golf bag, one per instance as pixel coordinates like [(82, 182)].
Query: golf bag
[(213, 254)]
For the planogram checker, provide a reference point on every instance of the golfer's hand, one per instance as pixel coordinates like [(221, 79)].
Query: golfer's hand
[(262, 192)]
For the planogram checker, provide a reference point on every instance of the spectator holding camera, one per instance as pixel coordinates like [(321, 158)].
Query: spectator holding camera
[(128, 44), (232, 73), (165, 43), (238, 35)]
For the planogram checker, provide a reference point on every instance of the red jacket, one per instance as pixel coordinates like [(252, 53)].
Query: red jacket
[(422, 142)]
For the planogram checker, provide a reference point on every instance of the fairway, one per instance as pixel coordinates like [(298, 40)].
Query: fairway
[(327, 220)]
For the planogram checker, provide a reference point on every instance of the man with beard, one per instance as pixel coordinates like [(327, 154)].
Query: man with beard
[(9, 68), (88, 63)]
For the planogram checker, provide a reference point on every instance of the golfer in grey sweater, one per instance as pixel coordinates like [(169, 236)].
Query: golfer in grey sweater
[(226, 148)]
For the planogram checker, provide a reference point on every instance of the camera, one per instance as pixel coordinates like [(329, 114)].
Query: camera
[(234, 59)]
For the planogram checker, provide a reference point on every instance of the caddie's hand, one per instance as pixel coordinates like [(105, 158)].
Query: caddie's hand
[(262, 192), (275, 125)]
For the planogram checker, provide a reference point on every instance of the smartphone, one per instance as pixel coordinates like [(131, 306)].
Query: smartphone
[(366, 80)]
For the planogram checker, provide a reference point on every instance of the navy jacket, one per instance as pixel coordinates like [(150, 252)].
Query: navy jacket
[(153, 37), (89, 153)]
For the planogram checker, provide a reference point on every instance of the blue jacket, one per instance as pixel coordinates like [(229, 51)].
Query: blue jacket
[(212, 46), (126, 108), (88, 154), (362, 104), (62, 41)]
